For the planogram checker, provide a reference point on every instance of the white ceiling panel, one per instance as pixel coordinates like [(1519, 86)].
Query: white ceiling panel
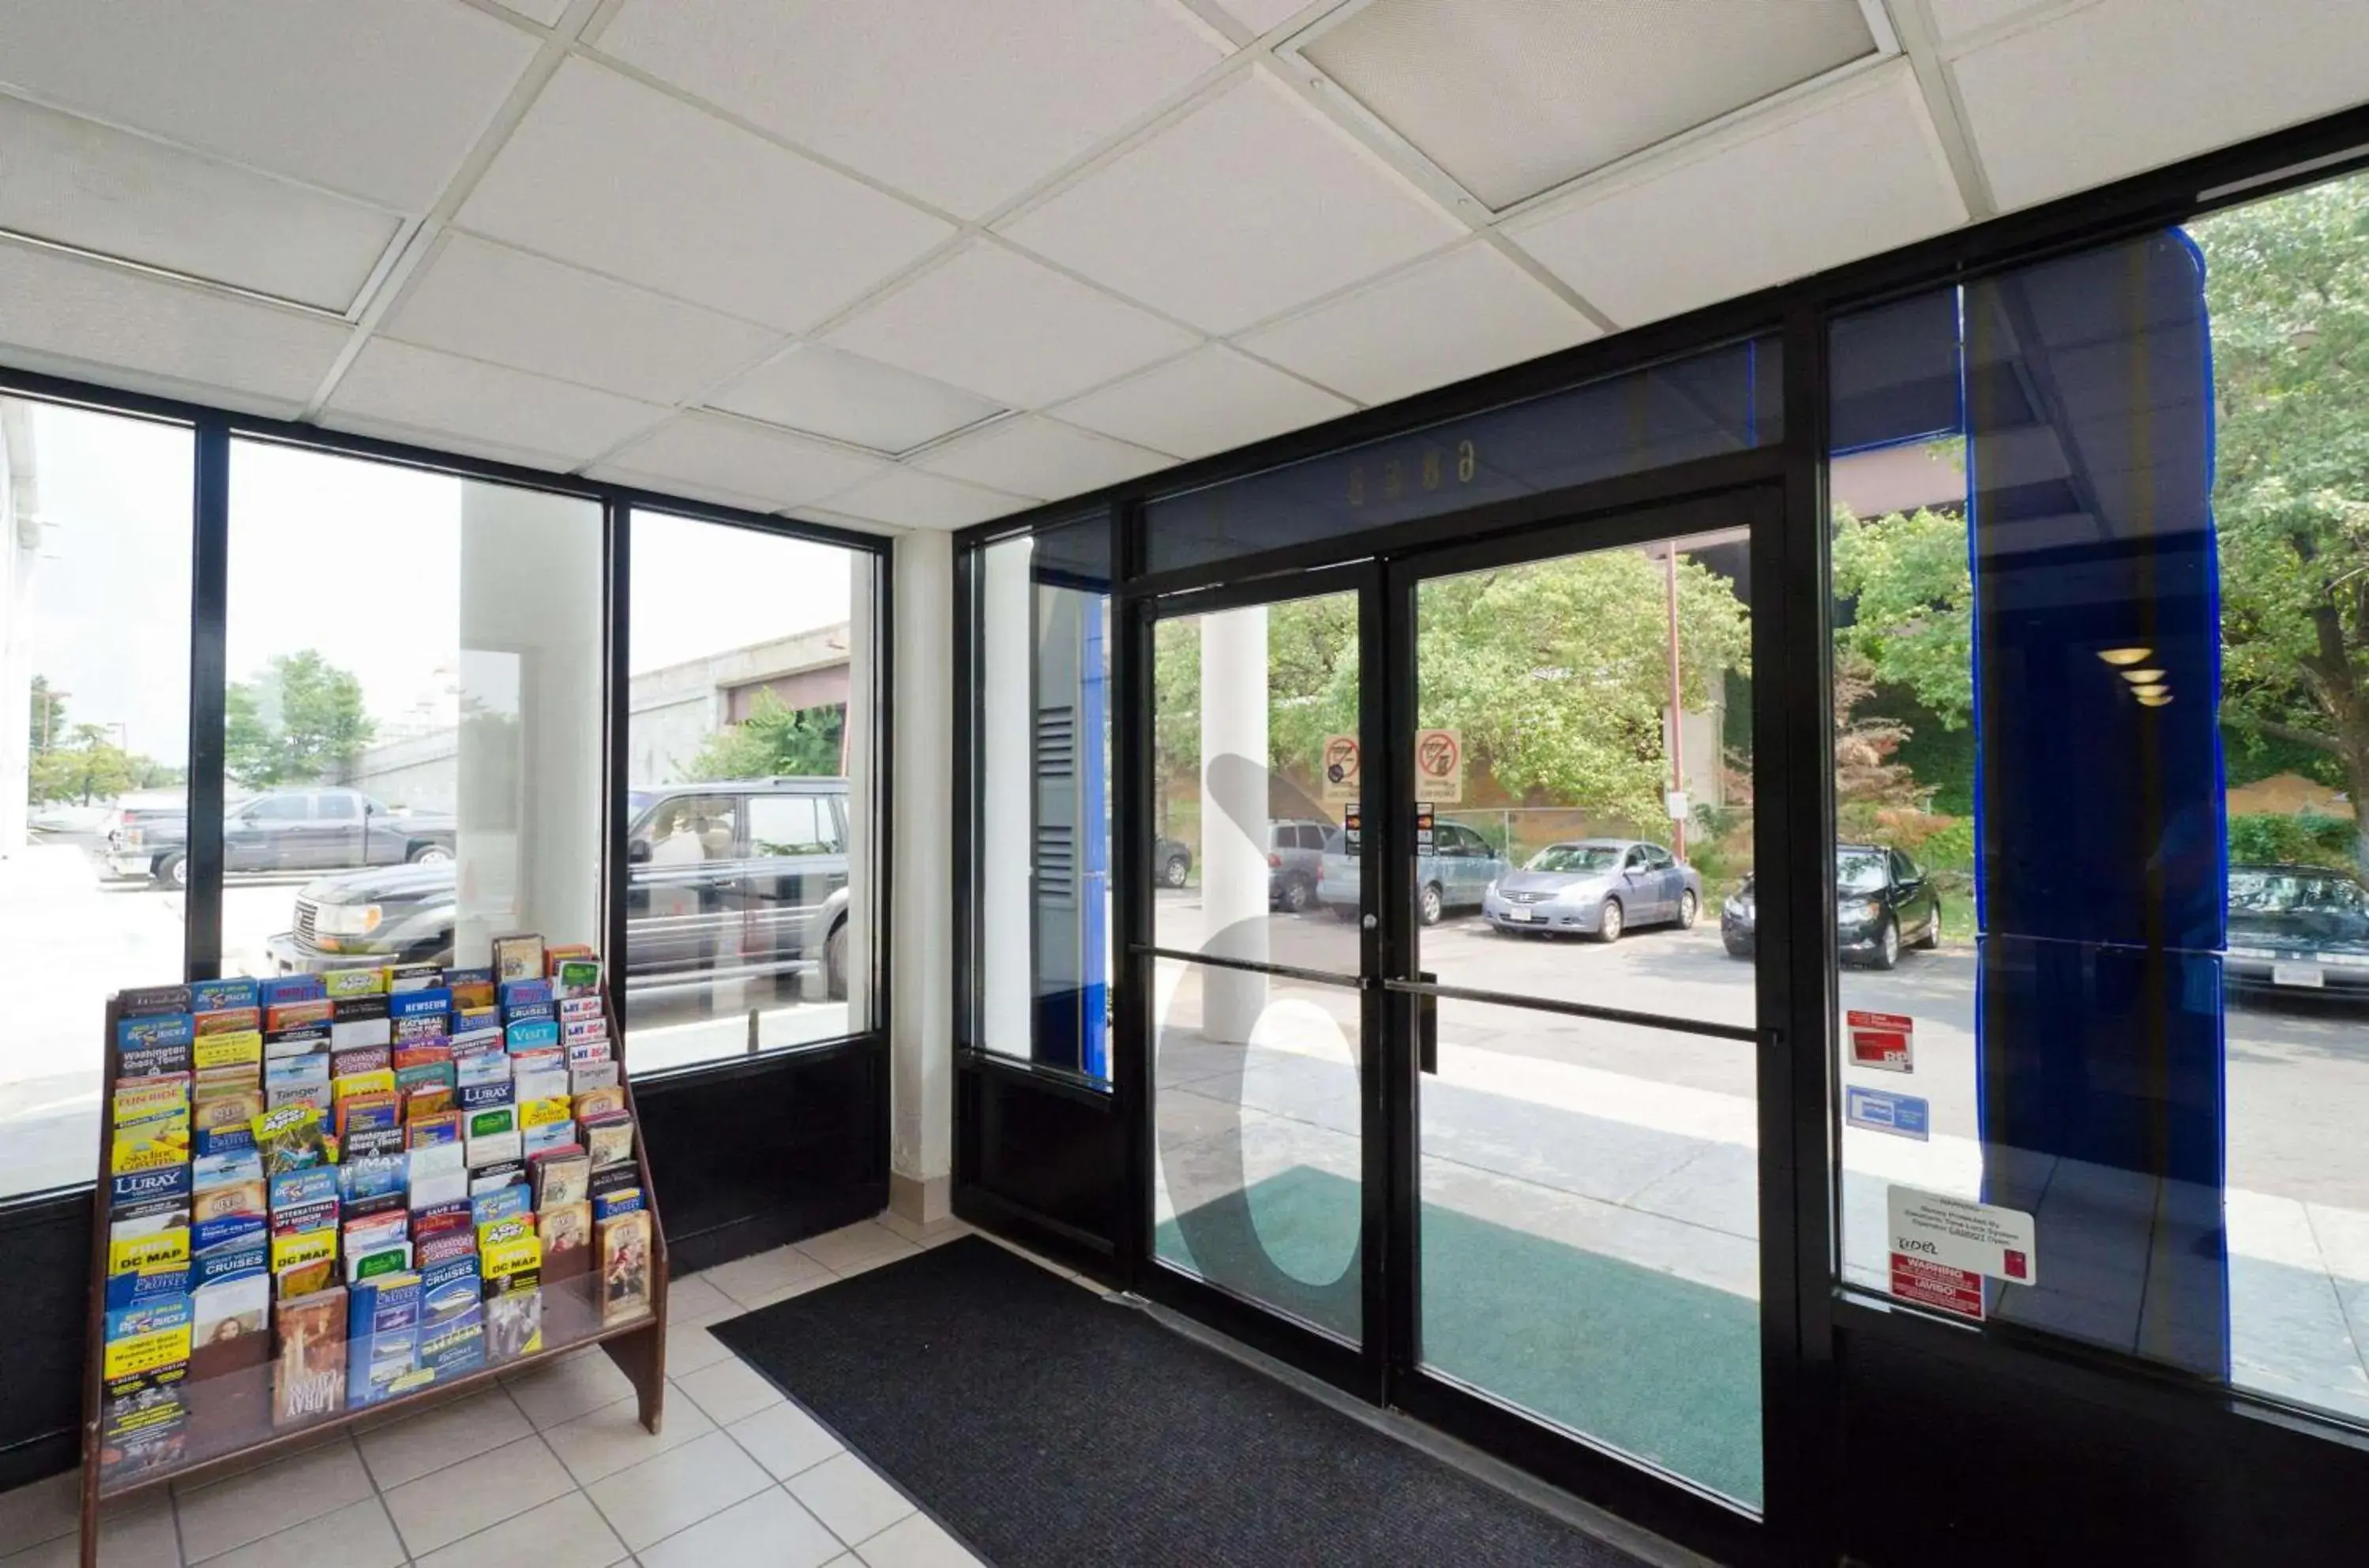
[(2128, 86), (1853, 171), (547, 12), (1031, 455), (1211, 400), (1262, 16), (1954, 19), (129, 329), (1000, 325), (1467, 311), (78, 182), (906, 498), (492, 302), (746, 459), (615, 175), (381, 98), (1520, 95), (425, 390), (1250, 205), (851, 398), (964, 105)]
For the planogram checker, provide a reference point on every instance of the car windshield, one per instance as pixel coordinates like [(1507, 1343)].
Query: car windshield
[(2294, 893), (1576, 857), (1860, 871)]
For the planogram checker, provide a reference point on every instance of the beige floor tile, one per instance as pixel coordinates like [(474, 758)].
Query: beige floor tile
[(854, 1248), (40, 1511), (930, 1235), (441, 1509), (138, 1534), (405, 1451), (845, 1494), (768, 1530), (566, 1532), (652, 1500), (915, 1542), (695, 1298), (784, 1439), (690, 1346), (611, 1439), (766, 1275), (237, 1465), (266, 1501), (565, 1390), (819, 1279), (357, 1535), (729, 1389)]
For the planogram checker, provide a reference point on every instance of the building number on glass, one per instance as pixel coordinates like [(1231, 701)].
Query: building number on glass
[(1394, 476)]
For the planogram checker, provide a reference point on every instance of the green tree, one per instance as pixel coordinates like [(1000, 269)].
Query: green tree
[(251, 751), (83, 768), (300, 720), (1912, 620), (774, 740), (47, 716)]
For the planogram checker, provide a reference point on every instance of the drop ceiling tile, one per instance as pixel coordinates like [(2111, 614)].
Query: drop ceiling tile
[(125, 328), (1262, 16), (906, 498), (431, 392), (851, 398), (2049, 116), (1954, 19), (615, 175), (1250, 205), (78, 182), (995, 323), (1465, 312), (547, 12), (1851, 171), (455, 442), (381, 98), (1014, 89), (1522, 95), (1031, 455), (492, 302), (1211, 400), (747, 460)]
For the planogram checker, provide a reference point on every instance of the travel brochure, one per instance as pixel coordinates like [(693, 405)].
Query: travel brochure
[(327, 1191)]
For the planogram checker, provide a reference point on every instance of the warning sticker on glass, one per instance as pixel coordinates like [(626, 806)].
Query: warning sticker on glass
[(1886, 1041), (1956, 1232), (1955, 1291)]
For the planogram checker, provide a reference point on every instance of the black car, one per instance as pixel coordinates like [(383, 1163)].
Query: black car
[(739, 879), (288, 829), (2297, 927), (1172, 862), (1883, 901)]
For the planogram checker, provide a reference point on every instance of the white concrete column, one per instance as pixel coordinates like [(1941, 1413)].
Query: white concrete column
[(529, 770), (1006, 913), (1234, 816), (921, 1038)]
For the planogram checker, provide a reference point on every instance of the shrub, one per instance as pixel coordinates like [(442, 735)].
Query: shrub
[(2305, 838)]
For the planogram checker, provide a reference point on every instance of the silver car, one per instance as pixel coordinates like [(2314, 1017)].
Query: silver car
[(1599, 887)]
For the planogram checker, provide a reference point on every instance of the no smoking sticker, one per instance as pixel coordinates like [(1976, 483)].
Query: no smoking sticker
[(1439, 766), (1885, 1041), (1339, 766)]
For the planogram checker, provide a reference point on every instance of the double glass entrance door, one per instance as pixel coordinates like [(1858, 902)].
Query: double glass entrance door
[(1451, 1015)]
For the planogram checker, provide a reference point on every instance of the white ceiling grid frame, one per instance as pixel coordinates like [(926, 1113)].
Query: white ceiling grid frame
[(2070, 100), (765, 468), (849, 398), (1031, 455), (1244, 207), (433, 394), (1016, 89), (908, 498), (1210, 400), (1855, 171)]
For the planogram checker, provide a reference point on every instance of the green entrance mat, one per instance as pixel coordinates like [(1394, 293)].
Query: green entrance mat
[(1658, 1366)]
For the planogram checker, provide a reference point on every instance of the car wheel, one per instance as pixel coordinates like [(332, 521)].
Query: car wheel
[(1430, 905), (834, 963), (1688, 906), (1887, 945), (1298, 895), (1739, 952), (1174, 870), (173, 871), (1610, 922), (429, 854), (1932, 937)]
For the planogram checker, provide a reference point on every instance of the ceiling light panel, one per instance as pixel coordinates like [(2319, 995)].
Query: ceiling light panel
[(851, 398), (492, 302), (906, 498), (1211, 400), (437, 392), (62, 314), (619, 177), (379, 99), (997, 324), (1250, 205), (963, 105), (1851, 171), (77, 182), (2126, 86), (773, 466), (1462, 314), (1031, 455), (1518, 97)]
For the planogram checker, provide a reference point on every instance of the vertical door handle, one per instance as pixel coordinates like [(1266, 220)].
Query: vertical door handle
[(1426, 1025)]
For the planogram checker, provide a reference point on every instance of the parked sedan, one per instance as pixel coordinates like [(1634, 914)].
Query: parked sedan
[(1882, 900), (2300, 927), (1599, 887), (1457, 874)]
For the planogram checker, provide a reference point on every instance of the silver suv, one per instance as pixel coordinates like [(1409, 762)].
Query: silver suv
[(1295, 862)]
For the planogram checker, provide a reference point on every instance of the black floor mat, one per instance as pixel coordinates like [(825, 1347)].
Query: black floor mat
[(1051, 1429)]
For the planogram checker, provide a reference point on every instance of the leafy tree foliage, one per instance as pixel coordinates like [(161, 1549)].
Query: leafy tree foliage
[(774, 740), (301, 720)]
